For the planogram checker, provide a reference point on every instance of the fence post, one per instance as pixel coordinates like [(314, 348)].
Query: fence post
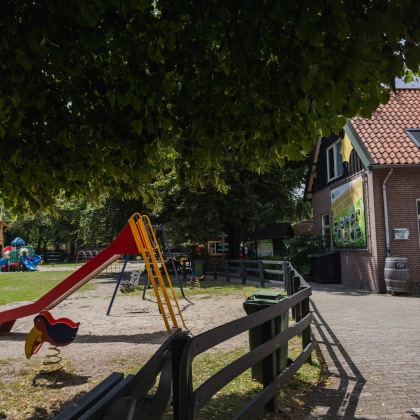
[(269, 364), (177, 347), (227, 271), (215, 269), (286, 276), (261, 272), (290, 274), (296, 311), (306, 333), (243, 275)]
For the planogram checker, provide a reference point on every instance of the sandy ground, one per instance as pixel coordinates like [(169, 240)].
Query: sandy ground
[(134, 329)]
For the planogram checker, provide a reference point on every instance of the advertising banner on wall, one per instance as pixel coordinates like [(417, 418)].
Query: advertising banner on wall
[(348, 215)]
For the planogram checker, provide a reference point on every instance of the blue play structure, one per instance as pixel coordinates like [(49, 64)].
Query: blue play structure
[(19, 256)]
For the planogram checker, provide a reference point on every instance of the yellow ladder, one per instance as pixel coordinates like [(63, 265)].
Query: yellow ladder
[(147, 244)]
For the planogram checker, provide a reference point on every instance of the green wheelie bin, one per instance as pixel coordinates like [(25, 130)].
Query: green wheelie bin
[(198, 268), (255, 303)]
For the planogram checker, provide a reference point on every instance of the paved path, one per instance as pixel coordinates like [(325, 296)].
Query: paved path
[(371, 344)]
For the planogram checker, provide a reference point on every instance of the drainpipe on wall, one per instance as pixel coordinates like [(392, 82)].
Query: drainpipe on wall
[(388, 251)]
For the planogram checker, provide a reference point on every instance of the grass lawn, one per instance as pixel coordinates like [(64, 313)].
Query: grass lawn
[(30, 285), (35, 396), (234, 396)]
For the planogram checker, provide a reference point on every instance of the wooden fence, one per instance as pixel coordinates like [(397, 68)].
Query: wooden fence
[(126, 399), (261, 271), (119, 398)]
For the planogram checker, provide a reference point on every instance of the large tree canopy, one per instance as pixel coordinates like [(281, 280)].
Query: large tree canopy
[(103, 95)]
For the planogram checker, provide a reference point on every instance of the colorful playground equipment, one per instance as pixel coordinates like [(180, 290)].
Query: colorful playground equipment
[(132, 284), (83, 257), (137, 237), (19, 256), (58, 332)]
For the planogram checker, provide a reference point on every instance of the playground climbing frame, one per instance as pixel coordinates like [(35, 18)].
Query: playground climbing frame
[(147, 244)]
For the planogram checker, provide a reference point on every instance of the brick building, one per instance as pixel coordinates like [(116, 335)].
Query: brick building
[(364, 184)]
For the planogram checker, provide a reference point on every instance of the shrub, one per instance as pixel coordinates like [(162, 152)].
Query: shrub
[(301, 248)]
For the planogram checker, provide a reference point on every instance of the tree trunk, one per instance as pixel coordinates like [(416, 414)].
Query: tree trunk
[(45, 250), (38, 247), (234, 238)]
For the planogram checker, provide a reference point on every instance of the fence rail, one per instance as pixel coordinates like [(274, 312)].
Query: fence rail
[(247, 270), (123, 399), (187, 402)]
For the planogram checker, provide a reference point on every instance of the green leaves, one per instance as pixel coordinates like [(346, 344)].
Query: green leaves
[(138, 126), (111, 97), (40, 103), (395, 65), (375, 24), (22, 59), (155, 53), (412, 58), (75, 69), (90, 13), (179, 83), (176, 27)]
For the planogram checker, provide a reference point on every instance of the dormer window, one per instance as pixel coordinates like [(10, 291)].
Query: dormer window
[(414, 134), (334, 161)]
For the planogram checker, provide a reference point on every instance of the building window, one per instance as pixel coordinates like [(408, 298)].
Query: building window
[(414, 134), (326, 225), (334, 161), (213, 247), (418, 214)]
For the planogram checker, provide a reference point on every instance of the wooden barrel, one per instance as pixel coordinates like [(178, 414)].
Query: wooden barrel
[(397, 275)]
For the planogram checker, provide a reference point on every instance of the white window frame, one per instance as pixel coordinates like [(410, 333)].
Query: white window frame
[(325, 226), (213, 250), (336, 169), (418, 215)]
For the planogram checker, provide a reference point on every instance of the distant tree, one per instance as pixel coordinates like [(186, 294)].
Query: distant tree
[(42, 229), (100, 223), (194, 215)]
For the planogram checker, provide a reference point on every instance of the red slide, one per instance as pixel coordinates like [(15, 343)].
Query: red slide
[(123, 244)]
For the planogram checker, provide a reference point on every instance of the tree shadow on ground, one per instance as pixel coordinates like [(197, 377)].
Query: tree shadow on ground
[(157, 337), (58, 379), (40, 413), (340, 289), (224, 406), (340, 402), (151, 338)]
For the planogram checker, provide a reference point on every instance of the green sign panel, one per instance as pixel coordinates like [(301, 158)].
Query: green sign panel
[(348, 215)]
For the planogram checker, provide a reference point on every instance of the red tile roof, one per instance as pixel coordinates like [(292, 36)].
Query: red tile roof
[(383, 134)]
